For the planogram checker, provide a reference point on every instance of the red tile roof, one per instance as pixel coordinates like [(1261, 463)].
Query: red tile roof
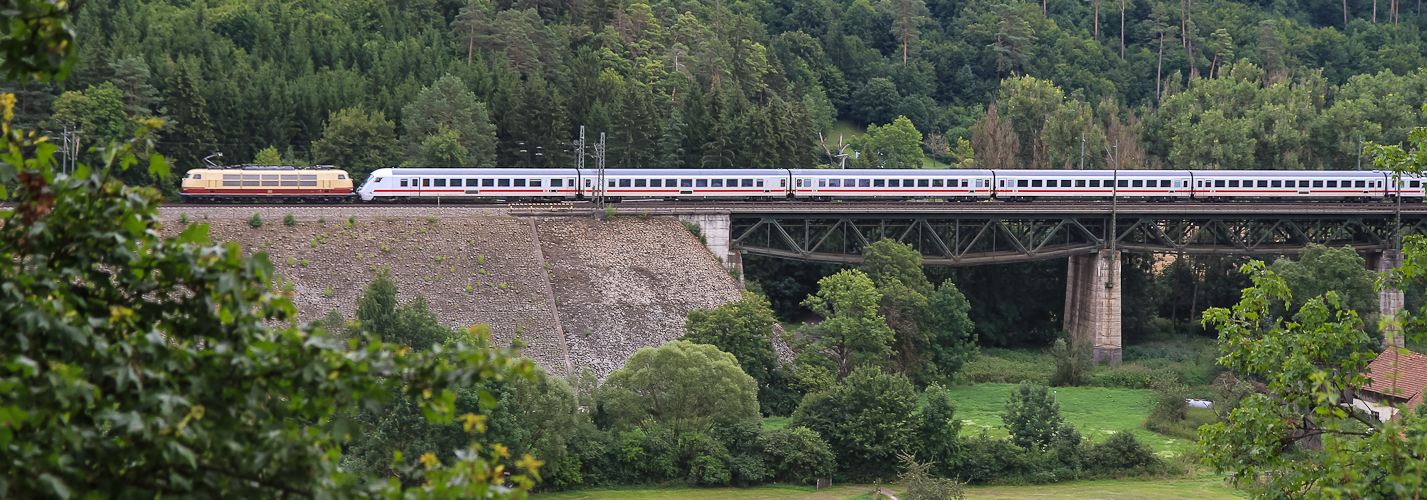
[(1412, 379)]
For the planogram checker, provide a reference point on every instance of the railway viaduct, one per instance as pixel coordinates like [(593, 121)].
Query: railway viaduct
[(1092, 236)]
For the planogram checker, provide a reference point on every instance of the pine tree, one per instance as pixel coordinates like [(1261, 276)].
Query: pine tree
[(671, 144), (633, 144), (190, 135), (131, 75)]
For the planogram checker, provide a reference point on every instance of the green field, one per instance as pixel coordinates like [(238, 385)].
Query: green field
[(1096, 412), (1205, 487)]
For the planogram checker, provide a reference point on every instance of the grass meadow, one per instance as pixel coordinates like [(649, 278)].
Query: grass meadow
[(1202, 487)]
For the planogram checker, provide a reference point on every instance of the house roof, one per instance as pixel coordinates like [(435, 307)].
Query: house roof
[(1412, 376)]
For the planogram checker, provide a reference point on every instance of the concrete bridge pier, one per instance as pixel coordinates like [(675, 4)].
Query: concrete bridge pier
[(1389, 300), (716, 229), (1092, 303)]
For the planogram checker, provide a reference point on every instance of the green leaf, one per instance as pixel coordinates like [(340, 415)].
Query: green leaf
[(487, 400), (158, 165)]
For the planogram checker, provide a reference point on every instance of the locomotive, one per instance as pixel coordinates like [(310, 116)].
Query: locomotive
[(411, 184), (266, 183)]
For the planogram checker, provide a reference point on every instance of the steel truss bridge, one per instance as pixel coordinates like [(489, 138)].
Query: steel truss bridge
[(968, 234)]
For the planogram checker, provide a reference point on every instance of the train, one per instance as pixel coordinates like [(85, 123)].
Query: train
[(554, 184)]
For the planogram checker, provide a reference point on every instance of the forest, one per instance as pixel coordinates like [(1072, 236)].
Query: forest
[(691, 83)]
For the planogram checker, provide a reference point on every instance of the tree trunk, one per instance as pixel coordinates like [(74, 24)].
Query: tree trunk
[(1374, 11), (1159, 69), (1122, 30), (1345, 13), (1097, 19), (471, 45)]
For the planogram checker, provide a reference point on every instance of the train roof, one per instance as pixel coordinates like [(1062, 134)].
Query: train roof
[(674, 172), (889, 172), (1283, 174)]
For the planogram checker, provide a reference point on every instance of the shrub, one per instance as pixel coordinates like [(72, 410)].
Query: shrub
[(321, 220), (796, 455), (289, 220), (1072, 365), (1125, 375), (328, 293), (609, 213), (697, 231), (481, 259), (1033, 418), (304, 262), (255, 221), (351, 221), (1006, 366), (1122, 452), (183, 217)]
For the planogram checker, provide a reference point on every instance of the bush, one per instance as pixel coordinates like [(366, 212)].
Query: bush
[(1006, 366), (289, 220), (1122, 452), (1125, 375), (183, 217), (796, 455), (1033, 418), (255, 221), (1072, 365)]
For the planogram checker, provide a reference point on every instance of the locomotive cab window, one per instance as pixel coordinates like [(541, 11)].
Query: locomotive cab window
[(197, 176), (341, 177)]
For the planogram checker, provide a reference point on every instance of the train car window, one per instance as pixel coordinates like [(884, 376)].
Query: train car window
[(1036, 183), (1080, 183), (894, 183), (491, 183), (1263, 184), (1277, 184), (1218, 184), (1023, 183), (759, 182), (797, 183), (1095, 183), (270, 180), (1051, 183), (455, 182), (733, 183), (234, 177), (688, 183), (403, 183), (535, 183), (624, 183), (936, 183), (476, 182), (503, 182), (782, 183), (906, 183), (520, 183), (864, 183), (553, 183), (1332, 184), (921, 183), (822, 183), (718, 183), (1360, 184), (1065, 183), (879, 183), (656, 183), (639, 183), (425, 182), (1414, 184), (748, 183), (1233, 184), (1164, 183), (834, 183), (440, 182), (851, 183), (341, 177), (1124, 183), (1137, 183), (1317, 184), (701, 183), (668, 183)]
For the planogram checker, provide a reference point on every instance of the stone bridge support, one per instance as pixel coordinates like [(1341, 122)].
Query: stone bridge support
[(1389, 300), (716, 231), (1092, 303)]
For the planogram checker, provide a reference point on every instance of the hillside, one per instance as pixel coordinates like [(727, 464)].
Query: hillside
[(473, 265)]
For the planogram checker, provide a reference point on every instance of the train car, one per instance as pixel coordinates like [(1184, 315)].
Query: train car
[(488, 184), (1286, 185), (1156, 185), (877, 184), (260, 184), (687, 184)]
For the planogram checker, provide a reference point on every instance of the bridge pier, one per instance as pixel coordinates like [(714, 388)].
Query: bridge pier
[(1092, 303), (1389, 300), (716, 231)]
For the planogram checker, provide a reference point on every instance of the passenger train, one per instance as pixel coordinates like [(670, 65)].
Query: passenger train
[(255, 184), (827, 185)]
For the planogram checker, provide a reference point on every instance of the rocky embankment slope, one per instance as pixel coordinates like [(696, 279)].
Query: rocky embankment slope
[(619, 285)]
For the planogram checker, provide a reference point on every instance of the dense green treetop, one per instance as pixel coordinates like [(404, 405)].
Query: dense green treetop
[(1320, 269), (682, 385), (853, 333)]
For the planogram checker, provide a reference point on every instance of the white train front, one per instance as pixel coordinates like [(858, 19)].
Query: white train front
[(506, 184)]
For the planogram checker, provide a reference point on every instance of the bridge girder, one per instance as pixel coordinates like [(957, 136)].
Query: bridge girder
[(975, 240)]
